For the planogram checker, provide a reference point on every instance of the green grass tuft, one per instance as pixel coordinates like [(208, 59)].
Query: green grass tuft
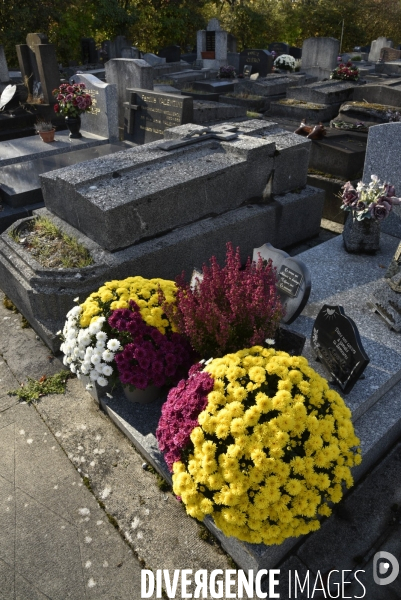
[(33, 390)]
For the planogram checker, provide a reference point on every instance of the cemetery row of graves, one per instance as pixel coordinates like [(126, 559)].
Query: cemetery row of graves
[(261, 388)]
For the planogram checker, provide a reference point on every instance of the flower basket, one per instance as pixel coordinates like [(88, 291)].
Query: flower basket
[(208, 55)]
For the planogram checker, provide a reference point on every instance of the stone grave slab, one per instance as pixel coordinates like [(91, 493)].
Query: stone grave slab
[(319, 56), (265, 87), (376, 46), (20, 182), (389, 95), (389, 54), (339, 153), (382, 160), (323, 92), (153, 60), (28, 148), (336, 342), (220, 86), (261, 61), (148, 114), (293, 280)]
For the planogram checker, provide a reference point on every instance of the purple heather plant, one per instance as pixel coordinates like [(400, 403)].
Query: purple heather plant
[(230, 308), (148, 357), (180, 414)]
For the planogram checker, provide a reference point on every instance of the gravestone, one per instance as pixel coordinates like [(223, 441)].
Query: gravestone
[(261, 61), (171, 53), (88, 51), (4, 76), (212, 39), (116, 45), (389, 54), (386, 299), (104, 122), (38, 64), (130, 52), (295, 52), (293, 280), (153, 60), (128, 73), (319, 56), (279, 48), (382, 159), (231, 43), (376, 46), (148, 114), (105, 51), (336, 342)]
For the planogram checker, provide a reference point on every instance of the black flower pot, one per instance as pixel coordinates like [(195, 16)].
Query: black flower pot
[(74, 125)]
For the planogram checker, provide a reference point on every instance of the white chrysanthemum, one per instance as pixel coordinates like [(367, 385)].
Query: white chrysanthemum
[(69, 360), (270, 341), (95, 358), (87, 364), (88, 352), (73, 368), (84, 370), (108, 356), (95, 327), (99, 368), (113, 345), (102, 381), (74, 312), (65, 361), (100, 346), (94, 375), (101, 336), (107, 370)]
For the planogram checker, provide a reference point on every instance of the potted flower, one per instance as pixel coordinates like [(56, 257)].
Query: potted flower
[(229, 307), (227, 72), (121, 334), (285, 62), (45, 129), (72, 101), (258, 441), (346, 72), (369, 204)]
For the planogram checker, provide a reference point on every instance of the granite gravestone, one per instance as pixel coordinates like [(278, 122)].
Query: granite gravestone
[(295, 52), (88, 51), (293, 280), (336, 342), (38, 63), (386, 300), (171, 54), (148, 114), (279, 48), (261, 61), (376, 46), (319, 56)]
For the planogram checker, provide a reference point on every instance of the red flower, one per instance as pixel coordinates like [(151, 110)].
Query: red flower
[(56, 108)]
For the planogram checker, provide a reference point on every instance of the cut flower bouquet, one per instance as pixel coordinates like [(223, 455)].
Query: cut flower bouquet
[(373, 200), (72, 100)]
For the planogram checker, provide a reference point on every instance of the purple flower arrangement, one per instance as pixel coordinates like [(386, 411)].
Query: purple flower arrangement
[(227, 72), (229, 308), (372, 200), (148, 357), (180, 414)]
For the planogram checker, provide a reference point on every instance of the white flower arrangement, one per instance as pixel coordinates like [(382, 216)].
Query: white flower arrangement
[(88, 351), (285, 61)]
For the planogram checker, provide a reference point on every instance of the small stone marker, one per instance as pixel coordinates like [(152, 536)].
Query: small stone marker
[(336, 342), (293, 280), (247, 70), (148, 114)]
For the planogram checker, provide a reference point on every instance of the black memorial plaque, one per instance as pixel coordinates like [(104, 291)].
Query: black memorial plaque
[(149, 113), (247, 70), (171, 53), (293, 280), (261, 61), (336, 342)]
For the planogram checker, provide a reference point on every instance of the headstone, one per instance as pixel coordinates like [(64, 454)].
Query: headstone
[(261, 61), (279, 48), (88, 51), (231, 43), (389, 54), (293, 280), (130, 52), (38, 64), (386, 300), (115, 46), (104, 122), (376, 46), (212, 39), (105, 51), (382, 159), (319, 56), (153, 60), (4, 76), (336, 342), (295, 52), (148, 114), (128, 73), (171, 53)]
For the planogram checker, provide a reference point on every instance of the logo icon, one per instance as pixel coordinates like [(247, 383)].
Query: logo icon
[(385, 568)]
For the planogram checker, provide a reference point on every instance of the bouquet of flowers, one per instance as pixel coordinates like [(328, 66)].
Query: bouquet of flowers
[(372, 200), (345, 71), (121, 333), (257, 440), (285, 62), (72, 100), (229, 307), (227, 72)]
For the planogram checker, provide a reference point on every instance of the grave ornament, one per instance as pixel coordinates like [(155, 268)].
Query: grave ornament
[(7, 95), (336, 342), (293, 280)]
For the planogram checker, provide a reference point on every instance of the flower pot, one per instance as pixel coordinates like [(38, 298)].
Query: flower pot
[(146, 396), (209, 55), (361, 236), (47, 136), (74, 125)]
